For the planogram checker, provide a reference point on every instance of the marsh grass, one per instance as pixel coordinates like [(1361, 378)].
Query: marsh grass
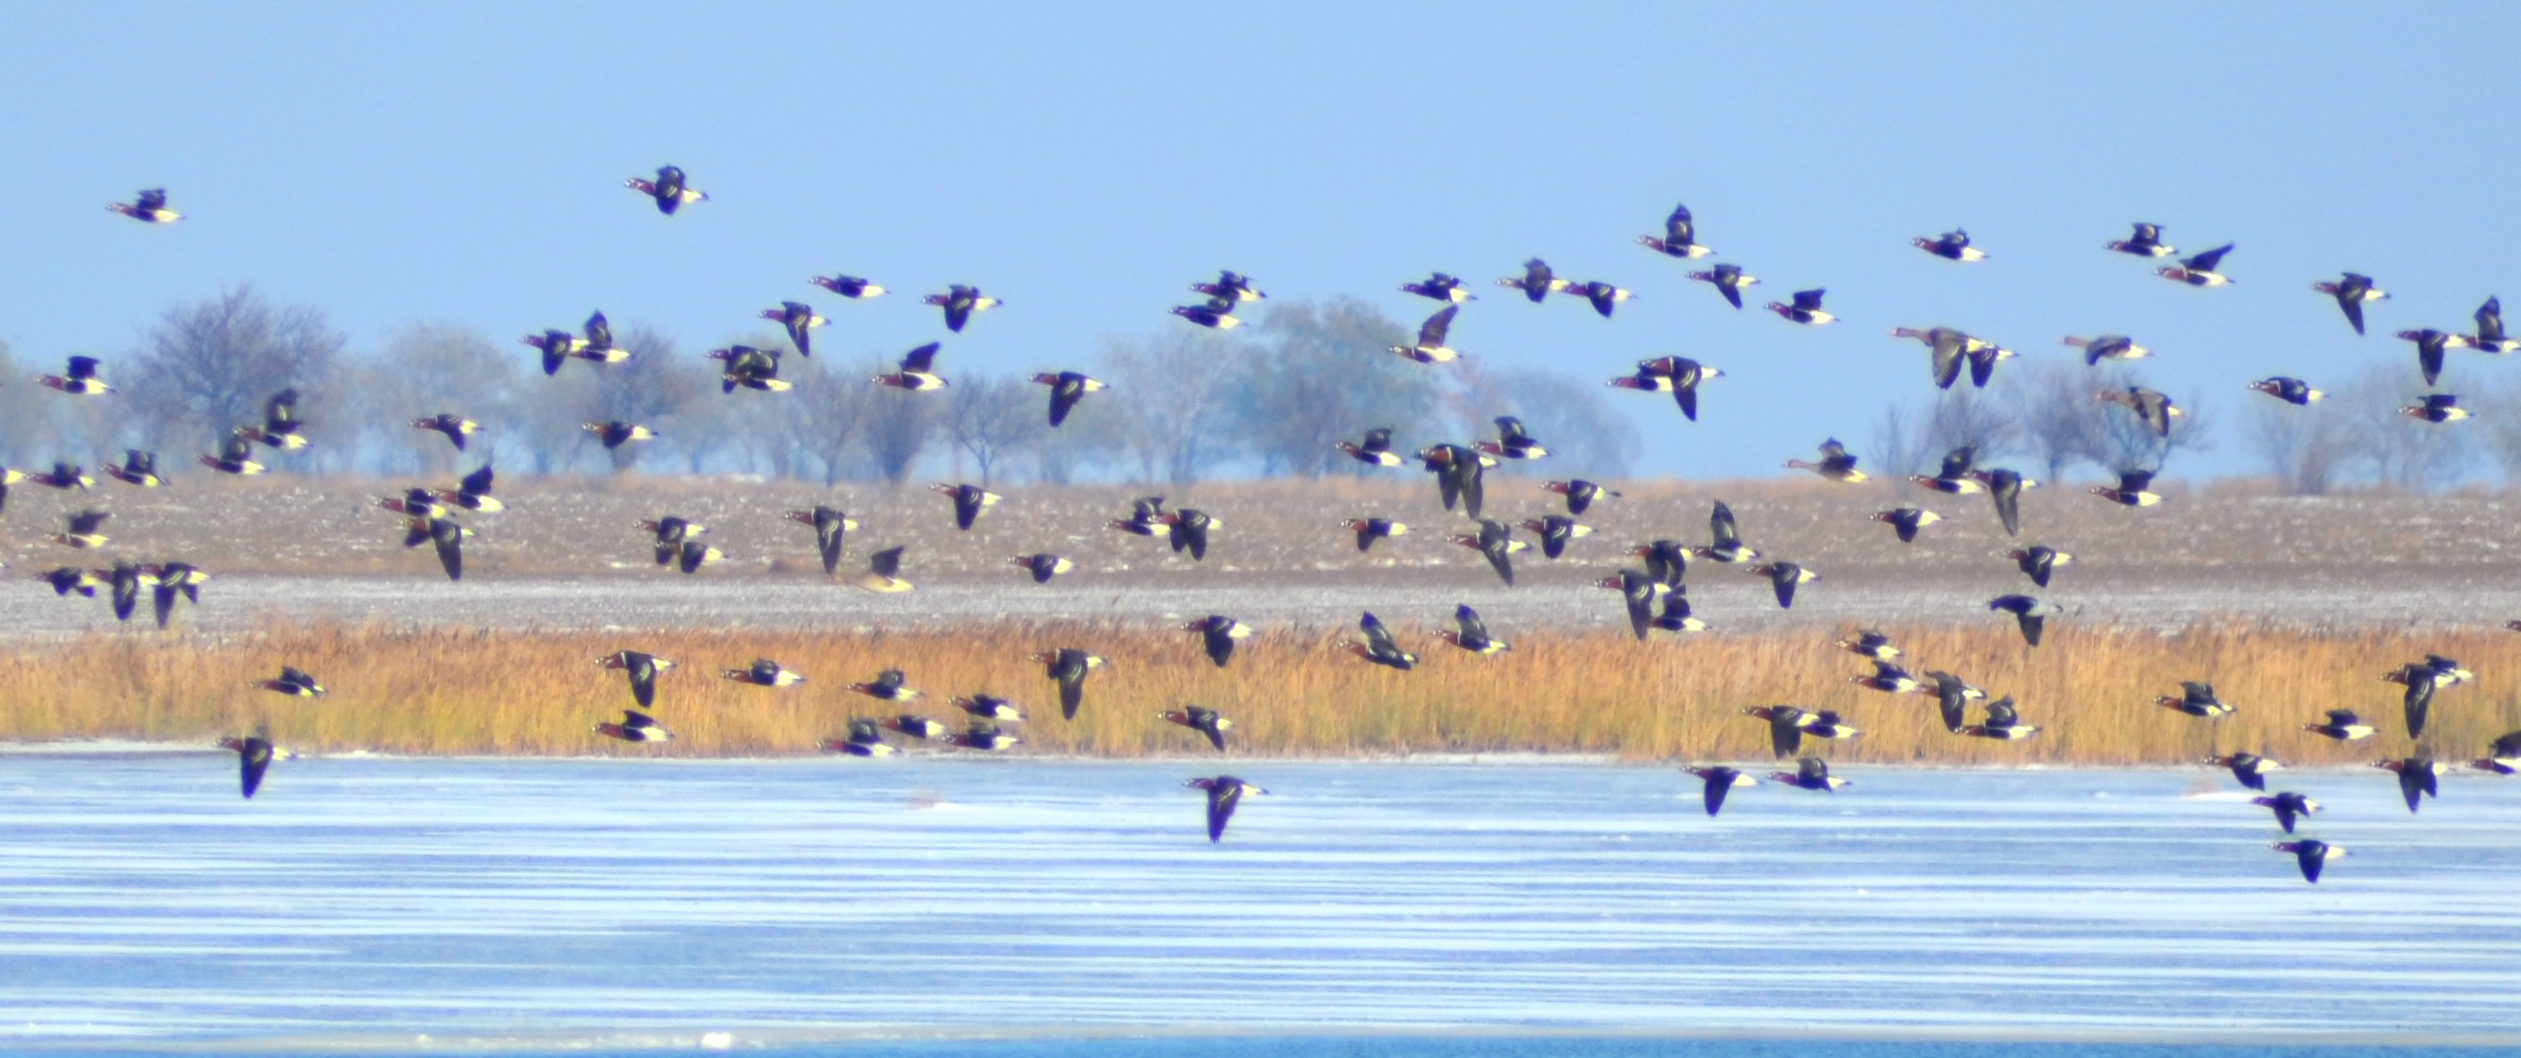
[(1290, 693)]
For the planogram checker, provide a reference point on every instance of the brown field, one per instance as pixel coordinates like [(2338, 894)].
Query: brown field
[(1291, 693)]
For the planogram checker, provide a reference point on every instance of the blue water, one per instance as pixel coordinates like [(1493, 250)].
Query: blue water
[(824, 906)]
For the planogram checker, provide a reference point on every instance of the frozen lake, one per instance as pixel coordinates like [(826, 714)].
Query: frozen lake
[(366, 903)]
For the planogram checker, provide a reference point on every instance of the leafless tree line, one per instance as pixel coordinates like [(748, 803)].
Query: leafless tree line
[(1184, 403)]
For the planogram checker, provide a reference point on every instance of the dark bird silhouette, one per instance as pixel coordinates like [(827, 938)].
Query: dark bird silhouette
[(1952, 698), (1727, 546), (1379, 647), (1224, 793), (2134, 489), (2437, 408), (799, 320), (443, 534), (2502, 758), (454, 426), (1870, 644), (253, 758), (831, 533), (2311, 854), (642, 670), (1459, 474), (2249, 769), (2417, 778), (2004, 489), (1675, 618), (1369, 530), (888, 686), (1068, 667), (1555, 531), (1680, 237), (2288, 807), (2196, 698), (1217, 634), (78, 379), (989, 707), (1905, 521), (1785, 726), (1513, 442), (1440, 287), (2430, 345), (1948, 350), (1201, 719), (1667, 561), (670, 189), (472, 492), (1190, 528), (1836, 464), (137, 468), (1043, 565), (1471, 634), (1720, 780), (2290, 390), (67, 579), (854, 288), (884, 572), (83, 529), (1216, 314), (636, 726), (1537, 282), (1888, 678), (2108, 347), (1811, 773), (293, 683), (2038, 562), (1728, 280), (1066, 389), (127, 579), (1430, 347), (671, 533), (750, 368), (866, 739), (148, 207), (763, 672), (2151, 406), (1639, 591), (2002, 724), (2490, 336), (1603, 296), (169, 580), (2031, 614), (1805, 309), (959, 303), (2146, 242), (1952, 245), (984, 736), (918, 727), (1496, 543), (2198, 270), (1374, 450), (1579, 492), (1231, 286), (969, 501), (1146, 518), (2417, 702), (63, 476), (617, 433), (2351, 291), (694, 555), (1784, 577)]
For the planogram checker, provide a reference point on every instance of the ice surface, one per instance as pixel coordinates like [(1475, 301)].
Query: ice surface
[(377, 899)]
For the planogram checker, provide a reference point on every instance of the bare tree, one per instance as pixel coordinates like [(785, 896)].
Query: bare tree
[(1322, 373), (2060, 425), (992, 416), (426, 369), (208, 367), (2499, 412), (1899, 449), (1582, 431), (899, 424), (26, 422), (2303, 448), (2393, 448), (1180, 383)]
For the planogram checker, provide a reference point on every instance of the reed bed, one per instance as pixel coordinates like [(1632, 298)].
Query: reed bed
[(1290, 694)]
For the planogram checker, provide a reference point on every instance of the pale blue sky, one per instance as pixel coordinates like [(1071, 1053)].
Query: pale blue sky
[(463, 162)]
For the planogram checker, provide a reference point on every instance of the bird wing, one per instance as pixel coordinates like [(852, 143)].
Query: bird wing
[(1678, 229), (922, 360), (449, 538), (476, 483), (1378, 637), (252, 761), (1947, 358), (1719, 783), (1812, 770), (643, 679), (1784, 735), (1222, 797), (2419, 699), (1467, 624), (1808, 300), (1431, 333), (2206, 262)]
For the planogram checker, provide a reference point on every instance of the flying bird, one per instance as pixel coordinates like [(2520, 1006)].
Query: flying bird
[(1188, 529), (2151, 406), (2002, 724), (1728, 281), (1066, 389), (884, 572), (2437, 408), (1217, 635), (1430, 347), (1215, 314), (1200, 719), (636, 726), (1720, 780), (2417, 778), (1068, 667), (887, 686), (2038, 562), (799, 320), (2198, 270), (2342, 725), (2311, 854), (1811, 773), (1496, 543), (1727, 546), (2108, 347), (78, 378), (2290, 390), (454, 426), (2351, 291), (1579, 492), (148, 207), (1512, 441), (1905, 521), (763, 672), (959, 303), (1785, 726), (854, 288), (2146, 242), (1440, 287), (1805, 309), (1679, 239), (2029, 613), (969, 501), (1679, 376), (1369, 530), (1639, 591), (1379, 647), (1537, 282), (1952, 245), (1555, 531), (1231, 286), (1603, 296), (2196, 698), (2249, 769), (253, 757), (670, 190), (1224, 793), (236, 456), (2430, 345), (617, 433), (1471, 634), (292, 682), (1836, 464), (1375, 450), (1459, 474), (2490, 334), (1043, 566), (641, 669), (1784, 577), (83, 529), (2134, 489)]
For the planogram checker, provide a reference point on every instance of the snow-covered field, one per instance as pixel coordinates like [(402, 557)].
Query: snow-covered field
[(369, 901)]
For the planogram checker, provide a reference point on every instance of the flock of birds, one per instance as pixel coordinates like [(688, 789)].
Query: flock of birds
[(1655, 595)]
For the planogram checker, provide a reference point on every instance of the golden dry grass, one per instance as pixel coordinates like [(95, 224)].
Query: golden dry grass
[(1290, 694)]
